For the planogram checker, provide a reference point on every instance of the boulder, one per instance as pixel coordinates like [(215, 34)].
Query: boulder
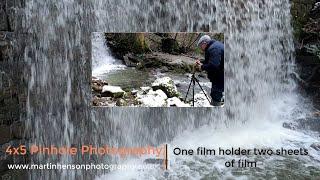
[(96, 87), (97, 84), (167, 85), (153, 99), (121, 102), (112, 91), (176, 102)]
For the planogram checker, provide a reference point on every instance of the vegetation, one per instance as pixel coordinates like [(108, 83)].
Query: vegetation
[(141, 43), (300, 11)]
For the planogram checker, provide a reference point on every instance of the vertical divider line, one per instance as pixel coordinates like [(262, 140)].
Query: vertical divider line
[(166, 160)]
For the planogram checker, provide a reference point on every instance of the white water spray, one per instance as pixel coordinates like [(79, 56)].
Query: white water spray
[(102, 60)]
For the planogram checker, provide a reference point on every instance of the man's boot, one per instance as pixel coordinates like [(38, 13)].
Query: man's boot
[(217, 103)]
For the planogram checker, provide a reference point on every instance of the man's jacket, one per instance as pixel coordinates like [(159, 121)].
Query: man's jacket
[(214, 63)]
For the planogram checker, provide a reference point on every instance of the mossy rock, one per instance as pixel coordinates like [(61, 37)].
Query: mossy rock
[(170, 45), (167, 85), (121, 102)]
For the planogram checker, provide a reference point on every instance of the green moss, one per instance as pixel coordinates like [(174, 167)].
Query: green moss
[(219, 37), (300, 17), (128, 42)]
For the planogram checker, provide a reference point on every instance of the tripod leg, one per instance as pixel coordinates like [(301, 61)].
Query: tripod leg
[(185, 99), (194, 84), (202, 90)]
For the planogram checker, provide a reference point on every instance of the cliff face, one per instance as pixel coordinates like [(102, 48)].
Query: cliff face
[(13, 84), (306, 24)]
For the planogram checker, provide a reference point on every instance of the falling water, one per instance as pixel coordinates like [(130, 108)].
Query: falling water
[(102, 60), (258, 56)]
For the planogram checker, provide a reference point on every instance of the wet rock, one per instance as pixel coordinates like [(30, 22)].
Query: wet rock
[(153, 99), (316, 146), (107, 101), (96, 87), (176, 102), (312, 124), (112, 91), (167, 85), (97, 84), (121, 102), (289, 125)]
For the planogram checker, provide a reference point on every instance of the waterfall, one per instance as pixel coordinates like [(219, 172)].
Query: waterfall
[(102, 60), (258, 58)]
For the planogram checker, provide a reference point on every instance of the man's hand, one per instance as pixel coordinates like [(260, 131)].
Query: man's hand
[(198, 64)]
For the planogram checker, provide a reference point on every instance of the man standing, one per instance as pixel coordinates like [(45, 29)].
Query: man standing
[(214, 66)]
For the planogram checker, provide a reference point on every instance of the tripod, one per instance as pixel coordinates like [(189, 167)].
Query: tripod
[(193, 82)]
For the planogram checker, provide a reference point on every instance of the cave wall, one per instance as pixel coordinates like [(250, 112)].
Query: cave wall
[(13, 85)]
